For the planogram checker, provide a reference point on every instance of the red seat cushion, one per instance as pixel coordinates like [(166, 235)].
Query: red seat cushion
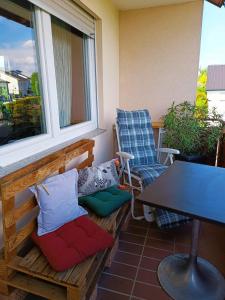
[(72, 243)]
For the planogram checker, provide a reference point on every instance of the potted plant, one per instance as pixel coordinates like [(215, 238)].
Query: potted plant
[(193, 130)]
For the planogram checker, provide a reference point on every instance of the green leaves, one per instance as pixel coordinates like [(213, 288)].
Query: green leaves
[(191, 129)]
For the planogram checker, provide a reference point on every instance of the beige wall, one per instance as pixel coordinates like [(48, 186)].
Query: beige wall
[(108, 72), (159, 56)]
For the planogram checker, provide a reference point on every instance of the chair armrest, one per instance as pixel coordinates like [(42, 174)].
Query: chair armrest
[(125, 155), (169, 150)]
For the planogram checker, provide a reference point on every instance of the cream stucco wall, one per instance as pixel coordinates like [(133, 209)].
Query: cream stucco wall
[(159, 56), (107, 71)]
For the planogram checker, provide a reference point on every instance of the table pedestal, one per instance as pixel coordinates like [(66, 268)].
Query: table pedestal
[(188, 277)]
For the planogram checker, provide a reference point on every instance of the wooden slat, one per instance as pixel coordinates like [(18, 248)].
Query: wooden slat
[(63, 276), (30, 258), (157, 124), (73, 294), (9, 231), (79, 273), (38, 287), (13, 242), (21, 184), (18, 213), (15, 264), (39, 264), (30, 168), (86, 163), (71, 153), (3, 268)]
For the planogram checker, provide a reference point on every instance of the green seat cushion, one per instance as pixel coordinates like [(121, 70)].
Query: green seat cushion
[(103, 203)]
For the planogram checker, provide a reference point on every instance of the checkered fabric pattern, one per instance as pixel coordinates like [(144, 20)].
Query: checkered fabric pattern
[(136, 136), (166, 219), (148, 173)]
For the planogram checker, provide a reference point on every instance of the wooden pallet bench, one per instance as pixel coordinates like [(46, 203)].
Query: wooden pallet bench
[(22, 265)]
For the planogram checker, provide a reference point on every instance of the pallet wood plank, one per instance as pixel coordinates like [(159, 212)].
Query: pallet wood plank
[(30, 258), (73, 282), (38, 287), (9, 231), (86, 163), (18, 213), (17, 238), (77, 152), (21, 184), (15, 266), (39, 264), (73, 294)]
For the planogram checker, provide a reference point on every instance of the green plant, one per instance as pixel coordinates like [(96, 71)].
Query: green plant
[(192, 129), (5, 112), (201, 93), (35, 84), (4, 93)]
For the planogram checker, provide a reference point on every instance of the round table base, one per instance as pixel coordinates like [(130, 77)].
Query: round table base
[(185, 279)]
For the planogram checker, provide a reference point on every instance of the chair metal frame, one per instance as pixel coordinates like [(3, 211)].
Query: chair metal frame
[(125, 157)]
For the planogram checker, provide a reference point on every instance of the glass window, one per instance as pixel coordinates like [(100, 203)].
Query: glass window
[(71, 66), (21, 104)]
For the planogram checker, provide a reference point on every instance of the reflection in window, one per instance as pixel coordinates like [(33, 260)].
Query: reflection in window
[(71, 67), (21, 111)]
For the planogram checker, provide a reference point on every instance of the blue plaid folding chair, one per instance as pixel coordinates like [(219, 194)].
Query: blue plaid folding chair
[(140, 161)]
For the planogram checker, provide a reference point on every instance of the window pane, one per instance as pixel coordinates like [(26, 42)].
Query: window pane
[(71, 73), (21, 106)]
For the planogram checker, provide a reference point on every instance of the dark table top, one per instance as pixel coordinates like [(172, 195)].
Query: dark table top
[(191, 189)]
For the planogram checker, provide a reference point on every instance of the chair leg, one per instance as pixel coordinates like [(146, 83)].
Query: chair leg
[(148, 213), (132, 210)]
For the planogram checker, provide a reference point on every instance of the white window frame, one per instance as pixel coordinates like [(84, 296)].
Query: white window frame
[(54, 136)]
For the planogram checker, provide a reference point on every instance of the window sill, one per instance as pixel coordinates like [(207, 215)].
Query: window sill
[(24, 162)]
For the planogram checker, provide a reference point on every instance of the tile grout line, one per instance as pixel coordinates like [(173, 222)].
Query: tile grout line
[(138, 281), (119, 293), (129, 265), (138, 266), (113, 291), (148, 246)]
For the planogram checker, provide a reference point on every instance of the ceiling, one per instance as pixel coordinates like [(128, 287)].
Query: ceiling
[(136, 4)]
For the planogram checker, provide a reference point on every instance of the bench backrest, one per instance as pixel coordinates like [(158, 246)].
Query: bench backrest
[(20, 180)]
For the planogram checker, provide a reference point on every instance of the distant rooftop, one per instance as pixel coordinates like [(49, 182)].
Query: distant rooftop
[(217, 2), (216, 78)]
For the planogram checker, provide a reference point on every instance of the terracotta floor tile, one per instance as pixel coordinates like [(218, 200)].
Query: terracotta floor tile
[(140, 223), (103, 295), (122, 270), (149, 277), (131, 248), (149, 263), (183, 234), (160, 244), (156, 253), (115, 283), (149, 292), (127, 237), (182, 248), (127, 258), (137, 230), (161, 235)]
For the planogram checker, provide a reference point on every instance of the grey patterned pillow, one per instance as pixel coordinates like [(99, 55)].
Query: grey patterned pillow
[(98, 178)]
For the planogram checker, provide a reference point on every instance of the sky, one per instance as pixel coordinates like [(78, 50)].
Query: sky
[(213, 36), (17, 47)]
